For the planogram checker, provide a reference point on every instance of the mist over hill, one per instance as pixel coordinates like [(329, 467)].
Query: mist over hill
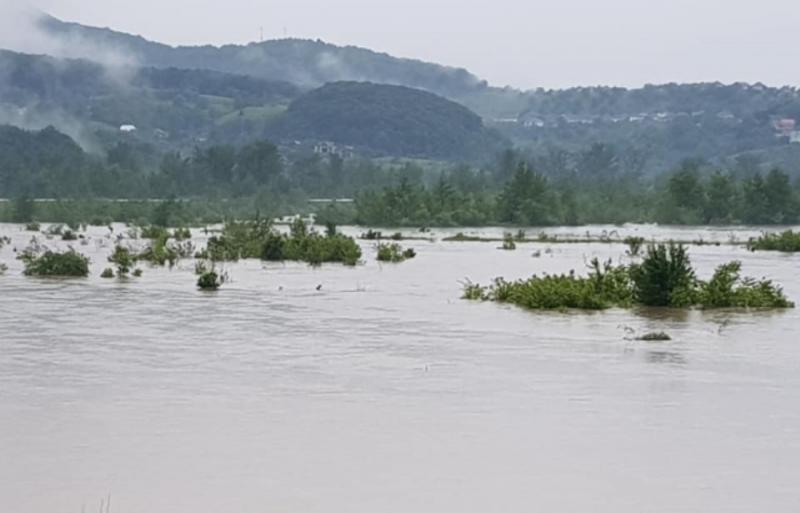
[(179, 97), (306, 63)]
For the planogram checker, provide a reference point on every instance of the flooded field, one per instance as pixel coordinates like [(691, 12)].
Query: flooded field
[(376, 389)]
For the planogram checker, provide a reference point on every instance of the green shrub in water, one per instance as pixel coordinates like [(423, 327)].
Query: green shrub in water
[(787, 242), (107, 273), (258, 239), (123, 259), (656, 336), (153, 232), (159, 252), (606, 286), (182, 234), (727, 289), (635, 245), (69, 263), (209, 280), (394, 253), (664, 278), (508, 242)]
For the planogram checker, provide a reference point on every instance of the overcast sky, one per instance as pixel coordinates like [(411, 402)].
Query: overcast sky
[(523, 43)]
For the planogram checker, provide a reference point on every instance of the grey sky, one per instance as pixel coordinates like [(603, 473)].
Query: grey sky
[(524, 43)]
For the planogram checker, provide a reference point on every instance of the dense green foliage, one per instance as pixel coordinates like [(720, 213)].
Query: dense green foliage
[(209, 280), (688, 196), (606, 286), (255, 177), (664, 278), (727, 289), (67, 264), (259, 239), (787, 242), (123, 259), (394, 252)]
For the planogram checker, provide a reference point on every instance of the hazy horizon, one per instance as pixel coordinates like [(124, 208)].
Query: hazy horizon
[(521, 44)]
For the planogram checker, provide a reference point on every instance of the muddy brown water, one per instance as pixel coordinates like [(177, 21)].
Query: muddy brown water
[(383, 391)]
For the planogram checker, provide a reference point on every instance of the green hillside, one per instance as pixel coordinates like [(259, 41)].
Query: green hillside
[(391, 120)]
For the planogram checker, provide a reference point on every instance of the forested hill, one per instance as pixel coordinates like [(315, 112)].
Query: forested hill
[(179, 108), (304, 62), (394, 120)]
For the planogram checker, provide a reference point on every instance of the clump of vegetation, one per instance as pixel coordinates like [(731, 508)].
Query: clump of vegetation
[(656, 336), (153, 232), (665, 278), (787, 242), (55, 230), (159, 252), (258, 239), (69, 264), (181, 234), (394, 253), (209, 280), (461, 237), (508, 242), (123, 259), (4, 240), (371, 235), (69, 235), (727, 289), (33, 227), (606, 286), (635, 245), (107, 273)]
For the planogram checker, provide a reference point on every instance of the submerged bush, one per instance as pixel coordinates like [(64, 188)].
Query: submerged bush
[(69, 263), (209, 280), (153, 232), (124, 259), (258, 239), (371, 235), (32, 227), (606, 286), (508, 242), (182, 234), (107, 273), (159, 252), (69, 235), (664, 278), (788, 242), (394, 253), (727, 289), (656, 336), (634, 246)]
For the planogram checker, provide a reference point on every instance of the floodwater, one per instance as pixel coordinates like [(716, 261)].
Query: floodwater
[(384, 392)]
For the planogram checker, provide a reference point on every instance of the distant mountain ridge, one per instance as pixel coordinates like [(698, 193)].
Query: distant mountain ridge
[(306, 63), (236, 93)]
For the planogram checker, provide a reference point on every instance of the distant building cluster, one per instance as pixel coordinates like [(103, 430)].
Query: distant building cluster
[(787, 128), (327, 149), (532, 120)]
